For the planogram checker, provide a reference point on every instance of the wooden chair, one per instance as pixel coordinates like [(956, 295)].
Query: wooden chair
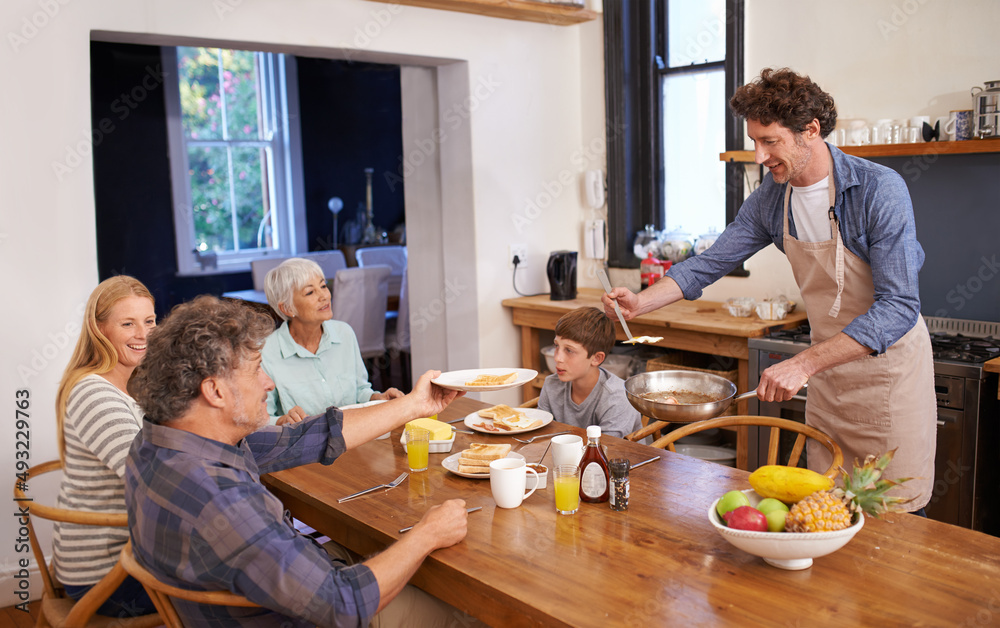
[(161, 592), (57, 609), (804, 432), (530, 403)]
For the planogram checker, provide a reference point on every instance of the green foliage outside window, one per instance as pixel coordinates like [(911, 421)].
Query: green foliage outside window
[(225, 132)]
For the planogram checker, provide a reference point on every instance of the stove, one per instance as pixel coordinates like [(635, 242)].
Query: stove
[(968, 445)]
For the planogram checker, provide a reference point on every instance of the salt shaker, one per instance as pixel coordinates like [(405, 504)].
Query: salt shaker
[(619, 468)]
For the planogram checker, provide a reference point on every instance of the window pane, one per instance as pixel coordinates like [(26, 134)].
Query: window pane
[(249, 177), (239, 81), (209, 175), (201, 107), (696, 32), (693, 136)]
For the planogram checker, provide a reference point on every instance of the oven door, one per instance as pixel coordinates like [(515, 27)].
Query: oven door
[(951, 498)]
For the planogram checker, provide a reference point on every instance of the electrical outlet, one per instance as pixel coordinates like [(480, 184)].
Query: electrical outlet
[(521, 250)]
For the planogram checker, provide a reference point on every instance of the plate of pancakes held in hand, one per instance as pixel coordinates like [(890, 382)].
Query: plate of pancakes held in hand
[(483, 380), (503, 419), (474, 462)]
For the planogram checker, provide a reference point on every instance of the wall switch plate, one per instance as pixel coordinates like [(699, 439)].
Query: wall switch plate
[(521, 251)]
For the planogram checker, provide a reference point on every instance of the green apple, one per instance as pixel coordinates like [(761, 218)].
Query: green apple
[(776, 520), (769, 504), (731, 501)]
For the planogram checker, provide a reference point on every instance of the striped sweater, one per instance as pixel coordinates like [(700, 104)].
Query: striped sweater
[(101, 422)]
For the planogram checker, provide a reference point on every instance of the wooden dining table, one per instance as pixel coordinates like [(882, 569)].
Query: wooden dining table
[(659, 563)]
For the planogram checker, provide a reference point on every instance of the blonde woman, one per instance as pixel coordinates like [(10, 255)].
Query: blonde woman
[(97, 421), (314, 361)]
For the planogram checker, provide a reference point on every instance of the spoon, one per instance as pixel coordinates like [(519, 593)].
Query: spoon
[(603, 276)]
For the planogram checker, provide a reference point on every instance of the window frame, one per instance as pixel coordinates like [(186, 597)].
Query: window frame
[(635, 49), (284, 170)]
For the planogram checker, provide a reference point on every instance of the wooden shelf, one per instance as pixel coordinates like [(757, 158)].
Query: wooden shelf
[(893, 150), (556, 14)]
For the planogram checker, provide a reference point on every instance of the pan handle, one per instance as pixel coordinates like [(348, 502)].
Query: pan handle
[(753, 393)]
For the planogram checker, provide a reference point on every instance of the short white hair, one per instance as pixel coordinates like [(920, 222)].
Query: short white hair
[(287, 278)]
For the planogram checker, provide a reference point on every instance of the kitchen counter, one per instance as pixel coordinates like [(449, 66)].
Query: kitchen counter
[(700, 326)]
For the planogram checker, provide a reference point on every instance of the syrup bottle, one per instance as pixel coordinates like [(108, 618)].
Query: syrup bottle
[(594, 469)]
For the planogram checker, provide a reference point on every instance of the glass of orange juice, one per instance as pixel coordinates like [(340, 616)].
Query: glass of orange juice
[(566, 478), (417, 448)]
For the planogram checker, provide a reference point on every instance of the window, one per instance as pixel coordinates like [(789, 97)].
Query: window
[(231, 147), (671, 67), (692, 83)]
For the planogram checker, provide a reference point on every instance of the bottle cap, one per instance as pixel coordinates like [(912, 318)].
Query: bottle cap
[(593, 431)]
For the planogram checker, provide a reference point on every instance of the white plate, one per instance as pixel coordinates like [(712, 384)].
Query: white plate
[(451, 463), (455, 380), (532, 413)]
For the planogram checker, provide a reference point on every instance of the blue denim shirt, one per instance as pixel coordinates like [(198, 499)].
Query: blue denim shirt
[(876, 223)]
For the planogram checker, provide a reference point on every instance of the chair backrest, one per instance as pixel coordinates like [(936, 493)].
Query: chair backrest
[(359, 299), (329, 261), (804, 432), (403, 315), (393, 256), (56, 608), (161, 592)]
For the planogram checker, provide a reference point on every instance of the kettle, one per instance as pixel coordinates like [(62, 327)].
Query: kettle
[(561, 270)]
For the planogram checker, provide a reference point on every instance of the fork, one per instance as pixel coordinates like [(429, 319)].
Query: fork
[(534, 438), (392, 484)]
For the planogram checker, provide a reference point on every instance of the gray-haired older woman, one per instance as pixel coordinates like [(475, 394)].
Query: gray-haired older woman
[(314, 360)]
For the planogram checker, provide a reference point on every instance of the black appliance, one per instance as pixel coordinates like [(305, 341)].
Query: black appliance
[(966, 469), (561, 270)]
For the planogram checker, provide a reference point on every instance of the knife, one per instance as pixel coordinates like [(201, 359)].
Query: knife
[(636, 466), (603, 276), (470, 510)]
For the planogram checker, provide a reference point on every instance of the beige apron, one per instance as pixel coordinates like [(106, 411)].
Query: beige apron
[(875, 403)]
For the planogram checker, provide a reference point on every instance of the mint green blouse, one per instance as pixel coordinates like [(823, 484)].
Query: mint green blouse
[(333, 376)]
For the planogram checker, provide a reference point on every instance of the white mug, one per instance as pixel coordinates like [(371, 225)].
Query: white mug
[(944, 134), (918, 122), (567, 449), (508, 478)]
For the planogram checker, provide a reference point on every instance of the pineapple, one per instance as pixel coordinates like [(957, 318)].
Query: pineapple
[(864, 489)]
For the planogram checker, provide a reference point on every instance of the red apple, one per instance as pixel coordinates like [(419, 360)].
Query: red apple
[(746, 518)]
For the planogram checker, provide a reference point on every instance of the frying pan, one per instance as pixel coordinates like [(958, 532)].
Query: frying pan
[(714, 386)]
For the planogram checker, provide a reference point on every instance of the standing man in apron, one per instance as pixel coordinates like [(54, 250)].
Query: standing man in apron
[(846, 226)]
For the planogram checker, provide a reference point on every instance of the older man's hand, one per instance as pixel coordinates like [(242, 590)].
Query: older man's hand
[(430, 398)]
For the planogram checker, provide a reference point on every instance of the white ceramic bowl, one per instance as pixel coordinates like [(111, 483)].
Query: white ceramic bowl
[(787, 550), (740, 307)]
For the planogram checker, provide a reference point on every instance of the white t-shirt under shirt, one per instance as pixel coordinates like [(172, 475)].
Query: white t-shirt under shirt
[(810, 207)]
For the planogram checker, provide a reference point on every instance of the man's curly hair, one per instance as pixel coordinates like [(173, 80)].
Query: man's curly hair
[(785, 97), (203, 338)]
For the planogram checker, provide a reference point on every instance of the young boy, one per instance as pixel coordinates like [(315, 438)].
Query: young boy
[(580, 392)]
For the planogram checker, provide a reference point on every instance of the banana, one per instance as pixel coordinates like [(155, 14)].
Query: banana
[(788, 484)]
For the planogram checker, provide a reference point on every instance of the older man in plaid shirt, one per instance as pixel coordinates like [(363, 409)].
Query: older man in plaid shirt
[(199, 516)]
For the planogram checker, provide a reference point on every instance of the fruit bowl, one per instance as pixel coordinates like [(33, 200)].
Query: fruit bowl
[(787, 550)]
